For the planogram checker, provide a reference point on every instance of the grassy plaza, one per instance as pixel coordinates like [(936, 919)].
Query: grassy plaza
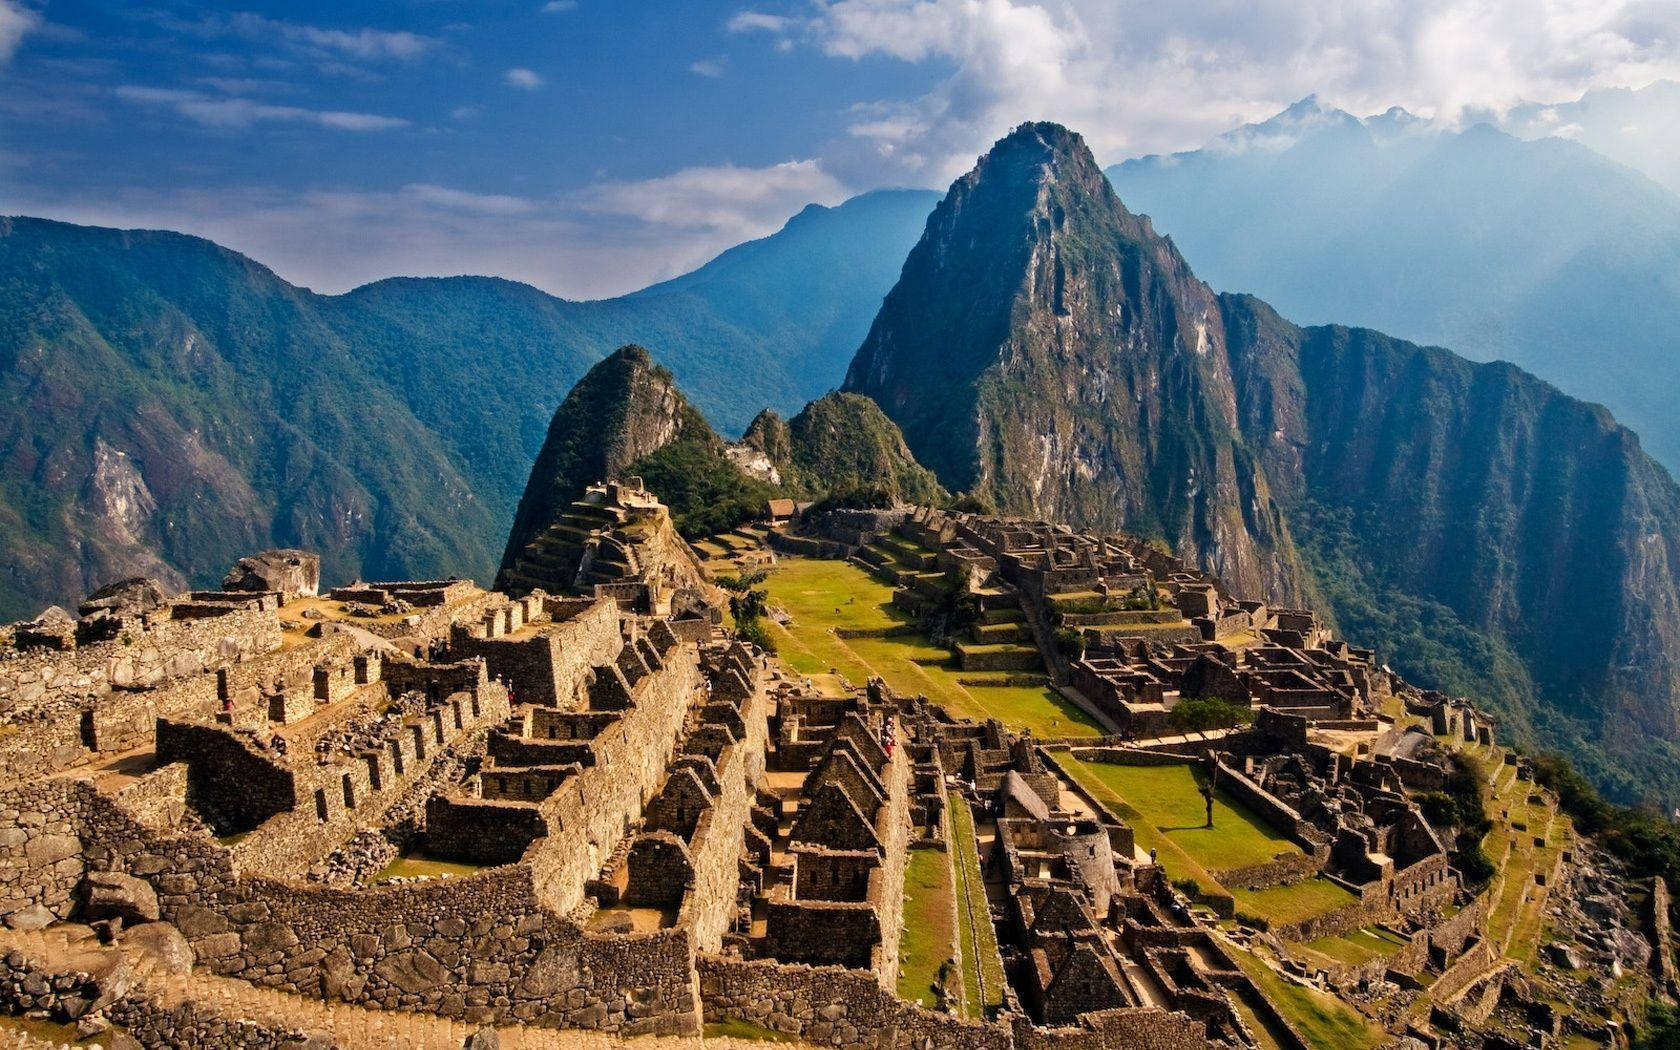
[(842, 620)]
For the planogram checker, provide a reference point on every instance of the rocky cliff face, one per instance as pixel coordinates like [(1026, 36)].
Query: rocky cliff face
[(1441, 490), (167, 406), (1045, 349), (1490, 534)]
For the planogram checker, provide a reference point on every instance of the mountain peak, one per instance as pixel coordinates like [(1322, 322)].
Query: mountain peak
[(1037, 324), (1037, 145), (623, 408)]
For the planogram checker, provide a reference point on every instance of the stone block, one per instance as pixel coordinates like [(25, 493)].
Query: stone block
[(112, 895), (412, 971), (163, 942), (269, 937)]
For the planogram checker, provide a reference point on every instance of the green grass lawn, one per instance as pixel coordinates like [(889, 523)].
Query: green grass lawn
[(1282, 905), (823, 595), (414, 865), (746, 1030), (929, 933), (980, 958), (1358, 947), (1324, 1022), (1167, 798)]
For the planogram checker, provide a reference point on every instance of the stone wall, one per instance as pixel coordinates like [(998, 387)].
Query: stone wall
[(235, 786), (482, 947), (549, 667), (831, 1006), (1662, 937), (631, 755), (146, 652), (339, 798), (1285, 869), (57, 701), (1123, 1029), (895, 836), (709, 906), (68, 992)]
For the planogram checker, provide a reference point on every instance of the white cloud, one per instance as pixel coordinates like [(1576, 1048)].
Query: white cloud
[(1140, 76), (319, 43), (742, 202), (748, 21), (707, 67), (556, 6), (363, 43), (15, 21), (240, 112), (463, 201), (522, 78)]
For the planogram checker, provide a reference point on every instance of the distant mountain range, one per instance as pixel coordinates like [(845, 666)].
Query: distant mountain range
[(167, 405), (1543, 253), (1046, 349), (1639, 127)]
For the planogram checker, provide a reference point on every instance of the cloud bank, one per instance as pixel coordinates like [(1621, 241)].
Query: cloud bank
[(1138, 76)]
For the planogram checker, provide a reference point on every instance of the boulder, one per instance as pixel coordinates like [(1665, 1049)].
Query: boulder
[(483, 1039), (293, 573), (125, 599), (113, 895), (164, 943), (1564, 956)]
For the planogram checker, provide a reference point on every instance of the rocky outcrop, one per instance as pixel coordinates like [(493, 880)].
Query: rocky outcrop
[(623, 409), (1045, 349), (125, 598), (1493, 499), (293, 573), (841, 442)]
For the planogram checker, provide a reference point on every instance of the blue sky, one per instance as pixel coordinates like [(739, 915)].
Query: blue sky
[(591, 146)]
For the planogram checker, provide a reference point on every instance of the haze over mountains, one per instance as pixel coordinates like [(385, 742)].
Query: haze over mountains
[(1544, 253)]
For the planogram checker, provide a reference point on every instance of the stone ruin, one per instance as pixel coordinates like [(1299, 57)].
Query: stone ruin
[(580, 803)]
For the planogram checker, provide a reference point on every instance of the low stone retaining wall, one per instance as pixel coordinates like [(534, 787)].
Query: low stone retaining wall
[(805, 546), (1024, 659), (1123, 1029), (67, 993), (1132, 756), (831, 1006), (1279, 871)]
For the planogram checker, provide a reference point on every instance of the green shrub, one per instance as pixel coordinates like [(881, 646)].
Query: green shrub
[(1199, 714), (972, 503), (749, 604), (1070, 642), (1659, 1029), (862, 497), (754, 632), (1473, 863)]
